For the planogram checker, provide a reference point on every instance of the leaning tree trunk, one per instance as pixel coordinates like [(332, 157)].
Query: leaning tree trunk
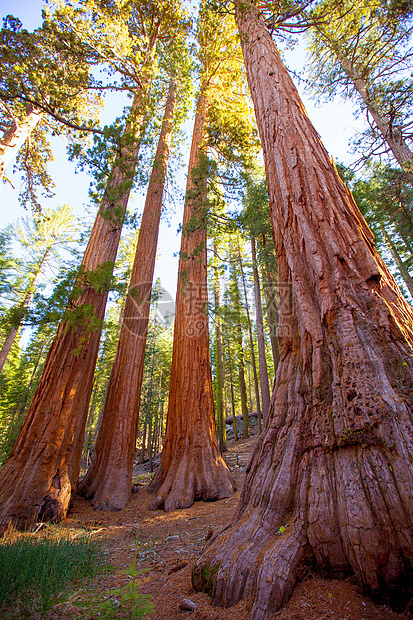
[(37, 481), (391, 134), (108, 482), (11, 336), (16, 136), (191, 465), (330, 480)]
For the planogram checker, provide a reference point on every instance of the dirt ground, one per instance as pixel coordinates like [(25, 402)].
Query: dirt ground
[(167, 545)]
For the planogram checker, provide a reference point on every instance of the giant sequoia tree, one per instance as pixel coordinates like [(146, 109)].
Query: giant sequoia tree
[(109, 480), (38, 479), (191, 464), (329, 483)]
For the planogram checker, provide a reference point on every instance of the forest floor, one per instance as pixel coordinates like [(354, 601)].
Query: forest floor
[(166, 547)]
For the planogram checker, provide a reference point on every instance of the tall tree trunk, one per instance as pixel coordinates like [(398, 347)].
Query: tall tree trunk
[(37, 481), (240, 352), (191, 465), (16, 136), (222, 435), (272, 310), (108, 483), (231, 380), (11, 336), (397, 259), (143, 446), (330, 479), (253, 362), (262, 360), (158, 421)]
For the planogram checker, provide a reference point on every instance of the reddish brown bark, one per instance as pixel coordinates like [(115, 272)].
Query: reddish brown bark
[(37, 480), (191, 465), (109, 480), (330, 480)]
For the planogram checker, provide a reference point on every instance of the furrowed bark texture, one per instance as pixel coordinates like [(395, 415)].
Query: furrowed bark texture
[(108, 482), (191, 466), (42, 471), (330, 480), (16, 136)]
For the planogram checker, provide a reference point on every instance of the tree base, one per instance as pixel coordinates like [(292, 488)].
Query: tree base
[(344, 514), (32, 502), (191, 476), (111, 492)]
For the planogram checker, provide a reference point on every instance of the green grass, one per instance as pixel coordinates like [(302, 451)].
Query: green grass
[(35, 572)]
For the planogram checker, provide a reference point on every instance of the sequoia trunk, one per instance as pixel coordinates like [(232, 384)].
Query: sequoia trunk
[(191, 464), (109, 481), (330, 480), (42, 471)]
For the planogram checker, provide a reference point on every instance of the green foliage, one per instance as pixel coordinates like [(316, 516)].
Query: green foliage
[(386, 200), (362, 52), (126, 601), (39, 72), (18, 381), (232, 137), (41, 69), (139, 47), (39, 245), (35, 572)]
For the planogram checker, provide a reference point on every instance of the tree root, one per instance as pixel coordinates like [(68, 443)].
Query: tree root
[(347, 516), (191, 476)]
